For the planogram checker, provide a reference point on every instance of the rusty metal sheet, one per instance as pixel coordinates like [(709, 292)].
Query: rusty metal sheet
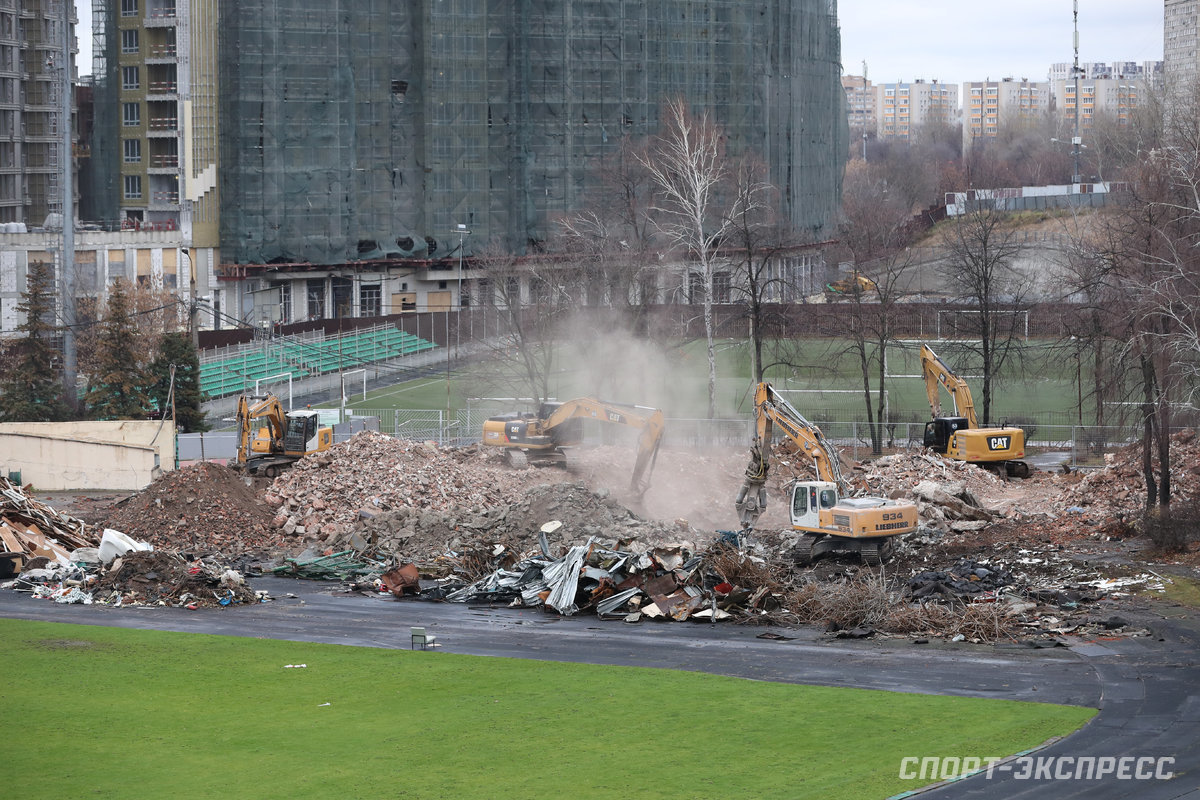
[(402, 580)]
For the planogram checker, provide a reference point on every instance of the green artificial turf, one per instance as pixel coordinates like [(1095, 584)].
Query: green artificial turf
[(675, 379), (114, 713)]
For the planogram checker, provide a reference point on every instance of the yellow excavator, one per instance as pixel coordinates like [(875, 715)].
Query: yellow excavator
[(540, 438), (287, 437), (960, 437), (854, 284), (827, 520)]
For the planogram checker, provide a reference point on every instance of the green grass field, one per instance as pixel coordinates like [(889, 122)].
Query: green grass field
[(114, 713), (825, 375)]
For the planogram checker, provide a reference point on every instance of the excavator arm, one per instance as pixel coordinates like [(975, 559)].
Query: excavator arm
[(650, 420), (771, 410), (938, 374), (253, 407)]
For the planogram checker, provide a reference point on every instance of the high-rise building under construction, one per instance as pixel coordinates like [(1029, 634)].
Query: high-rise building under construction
[(354, 130), (372, 129)]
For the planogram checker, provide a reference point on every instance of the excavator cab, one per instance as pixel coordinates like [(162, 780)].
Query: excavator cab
[(939, 431), (808, 498), (301, 434)]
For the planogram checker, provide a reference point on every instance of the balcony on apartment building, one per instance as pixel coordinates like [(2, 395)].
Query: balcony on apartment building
[(162, 126), (166, 163), (165, 53), (160, 14)]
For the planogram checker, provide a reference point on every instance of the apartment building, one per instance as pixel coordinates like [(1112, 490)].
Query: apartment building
[(904, 107), (156, 116), (31, 109), (1117, 98), (1181, 41), (861, 104), (990, 105), (1149, 71)]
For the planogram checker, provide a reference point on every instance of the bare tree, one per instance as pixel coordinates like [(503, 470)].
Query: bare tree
[(757, 246), (981, 270), (876, 230), (534, 300), (687, 164)]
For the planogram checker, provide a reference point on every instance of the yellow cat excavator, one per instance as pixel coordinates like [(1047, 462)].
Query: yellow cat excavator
[(960, 437), (828, 520), (540, 438), (287, 437)]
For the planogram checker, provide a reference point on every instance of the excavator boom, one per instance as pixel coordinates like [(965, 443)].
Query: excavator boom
[(542, 438), (937, 374), (770, 409)]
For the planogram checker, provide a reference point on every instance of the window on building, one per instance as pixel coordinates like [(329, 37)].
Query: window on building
[(695, 290), (129, 41), (130, 78), (131, 114), (133, 151), (370, 300), (722, 287), (133, 187), (315, 289), (285, 303), (129, 8)]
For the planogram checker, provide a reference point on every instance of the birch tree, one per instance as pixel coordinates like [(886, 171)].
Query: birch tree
[(687, 165)]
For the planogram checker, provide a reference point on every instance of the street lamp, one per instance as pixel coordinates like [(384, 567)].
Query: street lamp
[(463, 232)]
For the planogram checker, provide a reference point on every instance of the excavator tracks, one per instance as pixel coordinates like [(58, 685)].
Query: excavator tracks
[(874, 552)]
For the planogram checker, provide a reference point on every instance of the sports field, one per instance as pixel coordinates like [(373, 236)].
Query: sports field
[(824, 375)]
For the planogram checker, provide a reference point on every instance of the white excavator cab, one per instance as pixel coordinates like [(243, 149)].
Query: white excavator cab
[(808, 498)]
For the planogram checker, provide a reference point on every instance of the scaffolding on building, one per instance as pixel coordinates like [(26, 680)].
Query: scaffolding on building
[(368, 130)]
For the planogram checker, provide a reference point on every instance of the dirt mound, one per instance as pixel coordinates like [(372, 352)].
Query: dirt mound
[(199, 509), (424, 536), (326, 496), (1121, 485)]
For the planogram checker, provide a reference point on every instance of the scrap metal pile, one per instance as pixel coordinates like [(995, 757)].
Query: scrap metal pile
[(611, 583)]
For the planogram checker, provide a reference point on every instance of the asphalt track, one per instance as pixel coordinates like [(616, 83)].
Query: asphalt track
[(1147, 689)]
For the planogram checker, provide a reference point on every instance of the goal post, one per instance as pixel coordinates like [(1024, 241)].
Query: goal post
[(830, 399)]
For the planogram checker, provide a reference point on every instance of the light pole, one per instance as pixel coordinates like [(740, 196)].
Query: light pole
[(1075, 139), (463, 233)]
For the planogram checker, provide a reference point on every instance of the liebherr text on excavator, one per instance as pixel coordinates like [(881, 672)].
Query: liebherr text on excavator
[(540, 438), (828, 521)]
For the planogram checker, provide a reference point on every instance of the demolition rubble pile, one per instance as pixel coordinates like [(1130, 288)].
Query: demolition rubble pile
[(160, 577), (33, 530), (576, 513), (136, 577), (1121, 485), (325, 497), (199, 509)]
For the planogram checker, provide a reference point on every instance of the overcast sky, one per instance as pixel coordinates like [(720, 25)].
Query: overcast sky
[(953, 40), (956, 40)]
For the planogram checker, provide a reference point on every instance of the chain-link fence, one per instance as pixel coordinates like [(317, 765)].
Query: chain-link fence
[(1046, 445)]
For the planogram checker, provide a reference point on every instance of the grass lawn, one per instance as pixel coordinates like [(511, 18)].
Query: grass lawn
[(107, 712)]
